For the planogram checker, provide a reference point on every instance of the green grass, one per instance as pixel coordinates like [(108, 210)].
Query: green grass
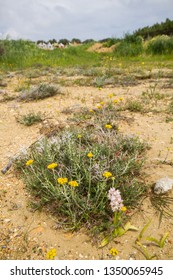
[(20, 54), (134, 105)]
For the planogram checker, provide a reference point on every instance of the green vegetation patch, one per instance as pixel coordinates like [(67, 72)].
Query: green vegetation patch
[(30, 118), (41, 91), (72, 173)]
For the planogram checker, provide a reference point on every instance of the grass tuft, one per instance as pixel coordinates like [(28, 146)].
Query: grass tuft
[(30, 118)]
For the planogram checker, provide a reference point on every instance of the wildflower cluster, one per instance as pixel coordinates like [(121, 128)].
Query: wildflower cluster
[(76, 169), (63, 181), (116, 200)]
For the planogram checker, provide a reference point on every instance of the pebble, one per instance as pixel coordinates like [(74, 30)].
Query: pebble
[(163, 185), (7, 220)]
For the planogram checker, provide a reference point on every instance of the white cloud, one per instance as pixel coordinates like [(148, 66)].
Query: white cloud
[(45, 19)]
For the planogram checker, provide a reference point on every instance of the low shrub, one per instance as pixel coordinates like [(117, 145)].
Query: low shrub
[(73, 171), (160, 45), (30, 118), (41, 91)]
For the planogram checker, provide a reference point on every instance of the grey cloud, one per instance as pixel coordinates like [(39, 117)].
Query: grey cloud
[(45, 19)]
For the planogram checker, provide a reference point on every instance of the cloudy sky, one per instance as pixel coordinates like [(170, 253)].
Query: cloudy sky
[(83, 19)]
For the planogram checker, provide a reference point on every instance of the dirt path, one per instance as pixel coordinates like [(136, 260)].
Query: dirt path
[(25, 234)]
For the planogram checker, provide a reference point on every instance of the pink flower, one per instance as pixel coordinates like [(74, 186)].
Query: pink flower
[(115, 198)]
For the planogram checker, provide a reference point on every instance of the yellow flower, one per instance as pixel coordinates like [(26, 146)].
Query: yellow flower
[(62, 181), (107, 174), (90, 155), (121, 98), (73, 183), (91, 110), (99, 107), (115, 101), (113, 251), (79, 136), (123, 209), (111, 95), (52, 165), (102, 103), (29, 162), (109, 126), (51, 254)]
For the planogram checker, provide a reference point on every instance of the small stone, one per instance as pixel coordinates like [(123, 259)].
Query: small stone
[(163, 185), (7, 220)]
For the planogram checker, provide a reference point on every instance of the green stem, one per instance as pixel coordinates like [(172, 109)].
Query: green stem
[(89, 183)]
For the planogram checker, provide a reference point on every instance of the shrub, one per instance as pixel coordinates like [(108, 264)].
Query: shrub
[(110, 42), (126, 48), (39, 92), (30, 118), (2, 51), (134, 105), (160, 45), (73, 171)]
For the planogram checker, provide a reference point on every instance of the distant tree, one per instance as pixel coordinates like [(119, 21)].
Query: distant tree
[(105, 40), (132, 38), (52, 41), (40, 42), (63, 41), (109, 42), (163, 28), (75, 40), (88, 41)]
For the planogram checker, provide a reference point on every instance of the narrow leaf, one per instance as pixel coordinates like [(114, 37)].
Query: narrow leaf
[(153, 239), (128, 226), (163, 239), (142, 231), (104, 242), (120, 231), (144, 251)]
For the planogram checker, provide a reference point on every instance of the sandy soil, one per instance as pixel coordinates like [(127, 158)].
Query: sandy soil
[(25, 234)]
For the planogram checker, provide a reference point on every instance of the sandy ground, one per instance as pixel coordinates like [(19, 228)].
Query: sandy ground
[(25, 234)]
